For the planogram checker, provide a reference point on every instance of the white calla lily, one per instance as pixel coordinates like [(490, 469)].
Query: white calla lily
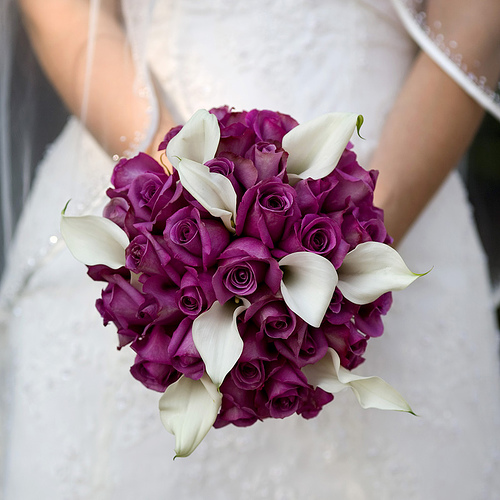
[(217, 339), (371, 392), (308, 284), (95, 240), (372, 269), (188, 409), (213, 191), (198, 139), (315, 147)]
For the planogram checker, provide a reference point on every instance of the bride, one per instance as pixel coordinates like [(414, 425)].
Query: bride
[(77, 425)]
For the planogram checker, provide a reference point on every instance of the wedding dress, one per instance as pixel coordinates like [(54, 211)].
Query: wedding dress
[(78, 426)]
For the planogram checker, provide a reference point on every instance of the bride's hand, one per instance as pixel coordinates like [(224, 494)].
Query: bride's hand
[(100, 91)]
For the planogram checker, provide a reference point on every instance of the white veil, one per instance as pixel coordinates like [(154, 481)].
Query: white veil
[(453, 55)]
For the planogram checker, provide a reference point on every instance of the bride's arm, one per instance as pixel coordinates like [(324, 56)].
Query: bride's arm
[(433, 120), (59, 32)]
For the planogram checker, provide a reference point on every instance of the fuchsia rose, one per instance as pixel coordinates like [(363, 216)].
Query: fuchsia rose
[(168, 137), (195, 241), (121, 303), (196, 293), (146, 254), (269, 125), (183, 353), (317, 234), (152, 365), (242, 267), (368, 320), (127, 170), (250, 371), (286, 390), (272, 317), (238, 406), (154, 376), (267, 211), (268, 159), (314, 403)]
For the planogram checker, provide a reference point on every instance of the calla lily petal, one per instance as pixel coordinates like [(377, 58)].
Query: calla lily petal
[(198, 140), (188, 409), (216, 336), (371, 392), (315, 147), (95, 240), (308, 284), (372, 269), (213, 191)]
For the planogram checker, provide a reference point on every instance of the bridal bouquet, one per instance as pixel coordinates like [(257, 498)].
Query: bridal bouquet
[(248, 281)]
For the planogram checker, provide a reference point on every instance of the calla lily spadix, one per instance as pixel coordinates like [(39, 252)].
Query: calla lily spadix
[(94, 240), (372, 269), (197, 140), (188, 409), (308, 284), (315, 147), (217, 339), (371, 392)]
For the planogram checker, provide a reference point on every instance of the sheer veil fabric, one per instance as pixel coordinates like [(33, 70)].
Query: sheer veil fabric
[(78, 426)]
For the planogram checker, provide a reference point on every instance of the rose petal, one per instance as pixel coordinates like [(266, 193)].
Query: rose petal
[(198, 139), (371, 392), (372, 269), (308, 284), (213, 191), (216, 336), (95, 240), (188, 409), (315, 147)]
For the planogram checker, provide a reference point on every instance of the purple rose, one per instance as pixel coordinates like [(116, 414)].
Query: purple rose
[(312, 405), (143, 192), (193, 240), (267, 210), (224, 166), (368, 320), (348, 342), (269, 160), (155, 376), (340, 311), (238, 406), (116, 210), (127, 170), (243, 266), (121, 303), (286, 389), (145, 254), (168, 137), (164, 292), (270, 125), (317, 234), (170, 199), (183, 353), (305, 346), (250, 371), (272, 317), (244, 171), (235, 135), (196, 293), (311, 193), (153, 345)]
